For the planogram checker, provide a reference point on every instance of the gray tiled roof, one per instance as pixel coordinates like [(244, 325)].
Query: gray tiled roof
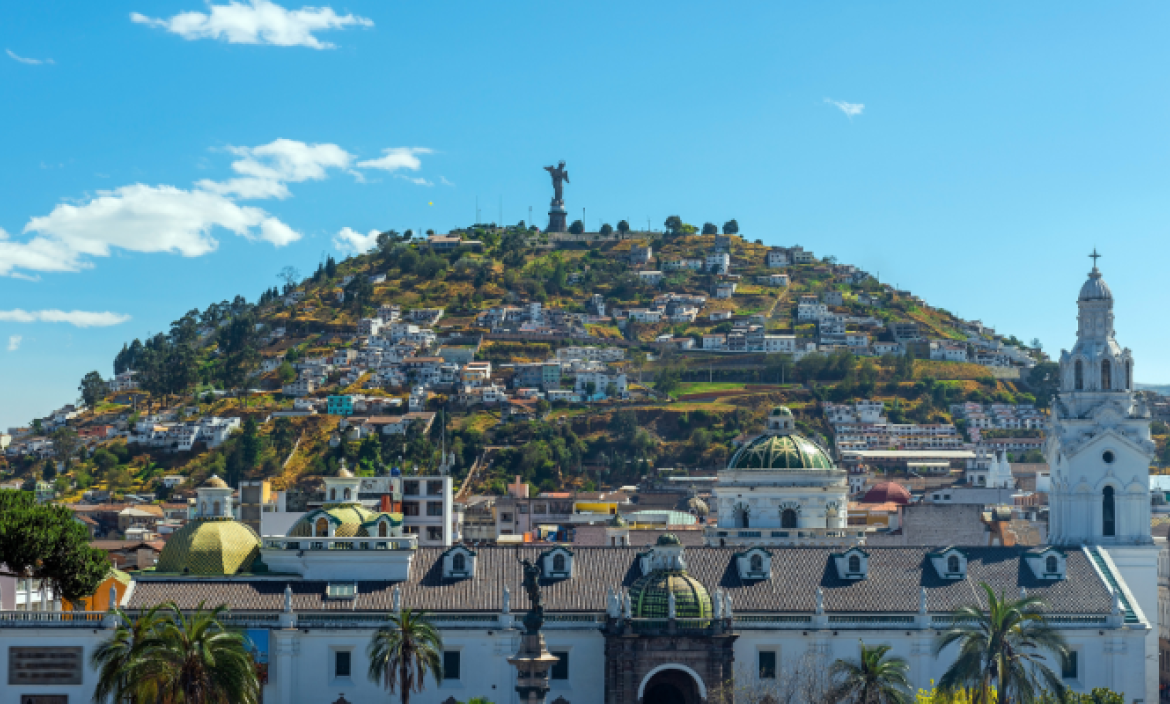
[(895, 577)]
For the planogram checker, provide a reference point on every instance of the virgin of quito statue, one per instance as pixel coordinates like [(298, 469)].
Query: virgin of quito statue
[(556, 212), (533, 662)]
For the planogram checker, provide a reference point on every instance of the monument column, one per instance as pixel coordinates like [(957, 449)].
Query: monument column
[(556, 212)]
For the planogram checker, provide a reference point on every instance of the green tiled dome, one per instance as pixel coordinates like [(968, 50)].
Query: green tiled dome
[(354, 521), (648, 596), (781, 452), (210, 546)]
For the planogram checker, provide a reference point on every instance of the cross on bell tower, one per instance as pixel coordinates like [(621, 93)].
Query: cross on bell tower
[(1094, 256)]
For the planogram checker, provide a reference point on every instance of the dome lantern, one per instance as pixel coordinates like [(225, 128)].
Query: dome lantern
[(342, 488), (214, 499)]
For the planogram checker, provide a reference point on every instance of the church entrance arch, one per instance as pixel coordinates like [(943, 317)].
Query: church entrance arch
[(672, 684)]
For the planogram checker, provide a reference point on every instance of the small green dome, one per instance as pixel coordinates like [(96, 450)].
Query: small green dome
[(210, 546), (649, 595), (791, 451), (781, 411), (668, 539), (351, 521)]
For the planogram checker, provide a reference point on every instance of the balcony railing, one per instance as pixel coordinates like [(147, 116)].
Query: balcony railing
[(51, 619), (404, 542)]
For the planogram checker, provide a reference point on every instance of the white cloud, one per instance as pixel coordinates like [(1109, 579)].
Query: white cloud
[(397, 158), (257, 22), (31, 62), (350, 241), (266, 169), (14, 342), (850, 109), (78, 318), (420, 181), (445, 182)]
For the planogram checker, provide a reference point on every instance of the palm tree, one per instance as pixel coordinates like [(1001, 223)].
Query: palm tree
[(117, 658), (872, 678), (402, 653), (198, 660), (1001, 650), (169, 658)]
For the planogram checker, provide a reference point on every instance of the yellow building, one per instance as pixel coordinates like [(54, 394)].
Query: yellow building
[(100, 600)]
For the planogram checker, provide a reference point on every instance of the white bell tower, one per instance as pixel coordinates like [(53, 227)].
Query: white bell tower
[(1099, 450)]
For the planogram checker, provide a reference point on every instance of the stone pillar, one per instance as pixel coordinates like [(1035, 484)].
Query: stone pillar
[(286, 647)]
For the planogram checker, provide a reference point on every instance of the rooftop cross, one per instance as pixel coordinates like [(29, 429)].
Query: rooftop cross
[(1094, 256)]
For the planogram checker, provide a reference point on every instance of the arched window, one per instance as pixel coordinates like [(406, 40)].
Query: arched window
[(953, 564), (204, 509), (322, 528), (346, 497), (333, 494), (757, 563), (558, 563), (1051, 564), (1108, 517), (854, 563), (458, 562), (1129, 376), (1079, 375), (215, 508), (383, 531), (1106, 374), (788, 518)]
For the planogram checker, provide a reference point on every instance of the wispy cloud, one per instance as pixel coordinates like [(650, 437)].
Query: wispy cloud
[(445, 182), (14, 342), (349, 240), (851, 110), (396, 158), (78, 318), (31, 62), (419, 181), (256, 22)]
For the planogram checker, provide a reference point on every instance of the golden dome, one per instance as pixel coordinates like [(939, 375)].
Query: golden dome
[(215, 483), (344, 473), (210, 546)]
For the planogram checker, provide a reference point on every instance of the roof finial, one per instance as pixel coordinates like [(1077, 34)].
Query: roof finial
[(1094, 256)]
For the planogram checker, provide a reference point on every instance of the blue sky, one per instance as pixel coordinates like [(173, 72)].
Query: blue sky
[(159, 156)]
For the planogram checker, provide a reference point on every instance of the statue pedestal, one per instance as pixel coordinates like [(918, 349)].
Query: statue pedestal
[(533, 665), (557, 217)]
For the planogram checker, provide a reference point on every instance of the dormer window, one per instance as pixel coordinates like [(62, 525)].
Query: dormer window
[(1046, 564), (322, 528), (754, 563), (950, 563), (341, 591), (852, 564), (557, 563), (459, 563)]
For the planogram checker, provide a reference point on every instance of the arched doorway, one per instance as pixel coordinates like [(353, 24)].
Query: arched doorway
[(669, 684), (1108, 515), (788, 518)]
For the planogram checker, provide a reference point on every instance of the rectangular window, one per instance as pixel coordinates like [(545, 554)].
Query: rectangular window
[(523, 508), (341, 663), (435, 488), (505, 518), (410, 488), (410, 508), (434, 533), (767, 664), (560, 670), (451, 664), (1068, 666), (540, 509), (434, 508)]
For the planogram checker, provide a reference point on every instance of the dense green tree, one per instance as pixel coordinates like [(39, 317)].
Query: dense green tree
[(66, 442), (623, 227), (872, 679), (1044, 380), (1002, 650), (119, 657), (623, 424), (283, 436), (251, 445), (731, 227), (577, 227), (673, 225), (93, 389), (606, 230), (43, 541), (404, 652), (710, 228), (668, 380), (238, 354)]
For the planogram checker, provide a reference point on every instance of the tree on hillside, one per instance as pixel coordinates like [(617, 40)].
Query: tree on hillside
[(577, 227), (65, 444), (237, 347), (667, 380), (283, 436), (623, 424), (359, 294), (1044, 380), (673, 225), (44, 541), (291, 276), (623, 227), (251, 444), (93, 389), (606, 230), (731, 227), (710, 228)]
